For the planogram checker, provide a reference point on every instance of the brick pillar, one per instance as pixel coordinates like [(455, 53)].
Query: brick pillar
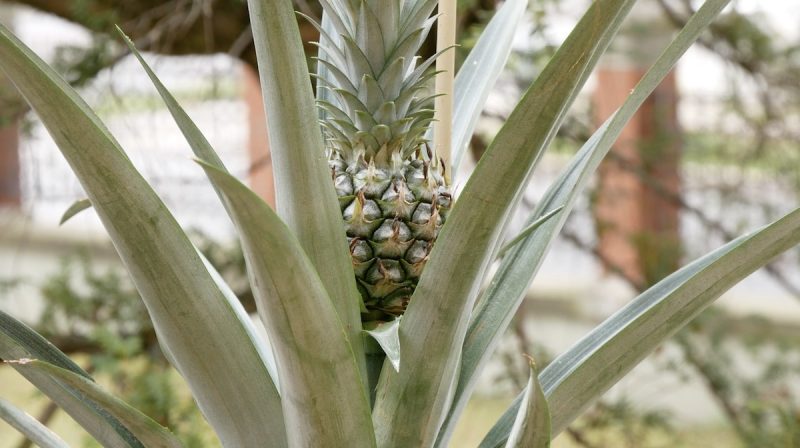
[(10, 191), (261, 179), (636, 216)]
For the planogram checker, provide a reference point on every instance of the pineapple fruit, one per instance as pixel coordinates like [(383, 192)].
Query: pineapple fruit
[(392, 189)]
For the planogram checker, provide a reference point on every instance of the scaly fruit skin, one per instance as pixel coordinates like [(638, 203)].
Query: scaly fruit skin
[(374, 94), (392, 217)]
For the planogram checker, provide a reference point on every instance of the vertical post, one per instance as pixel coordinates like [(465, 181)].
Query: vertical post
[(260, 169), (635, 210), (445, 65)]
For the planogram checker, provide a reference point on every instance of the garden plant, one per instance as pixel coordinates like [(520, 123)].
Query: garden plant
[(372, 276)]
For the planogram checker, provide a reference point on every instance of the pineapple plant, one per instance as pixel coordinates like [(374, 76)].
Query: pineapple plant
[(366, 230)]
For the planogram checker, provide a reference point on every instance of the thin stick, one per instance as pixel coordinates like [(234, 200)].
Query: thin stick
[(445, 65)]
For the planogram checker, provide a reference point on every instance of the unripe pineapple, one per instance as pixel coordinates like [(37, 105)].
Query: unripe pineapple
[(377, 108)]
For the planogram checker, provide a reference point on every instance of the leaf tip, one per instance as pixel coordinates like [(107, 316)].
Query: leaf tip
[(531, 362), (77, 207)]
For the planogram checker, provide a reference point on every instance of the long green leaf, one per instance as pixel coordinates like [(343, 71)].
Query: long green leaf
[(477, 75), (191, 316), (150, 433), (203, 150), (324, 400), (29, 427), (579, 376), (306, 199), (411, 405), (261, 344), (18, 341), (502, 298), (500, 301), (532, 426), (529, 229), (574, 380), (27, 343)]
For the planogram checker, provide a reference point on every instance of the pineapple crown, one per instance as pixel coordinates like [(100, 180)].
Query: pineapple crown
[(373, 90)]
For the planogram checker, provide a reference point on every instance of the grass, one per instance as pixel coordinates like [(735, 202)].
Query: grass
[(478, 418), (482, 412)]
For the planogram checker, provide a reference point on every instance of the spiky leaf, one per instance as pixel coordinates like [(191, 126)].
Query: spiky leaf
[(576, 378), (18, 341), (305, 197), (28, 426), (150, 433), (321, 386), (508, 287), (411, 405), (479, 72), (532, 425), (192, 318)]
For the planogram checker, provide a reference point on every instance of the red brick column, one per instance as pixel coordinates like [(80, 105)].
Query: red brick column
[(635, 211), (10, 191), (261, 178)]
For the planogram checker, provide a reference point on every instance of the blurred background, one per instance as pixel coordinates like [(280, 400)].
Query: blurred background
[(714, 153)]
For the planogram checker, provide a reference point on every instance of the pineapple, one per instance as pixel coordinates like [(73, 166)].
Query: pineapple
[(392, 189)]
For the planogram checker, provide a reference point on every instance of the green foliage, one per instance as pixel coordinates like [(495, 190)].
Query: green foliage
[(750, 371), (96, 310), (302, 277), (81, 295)]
